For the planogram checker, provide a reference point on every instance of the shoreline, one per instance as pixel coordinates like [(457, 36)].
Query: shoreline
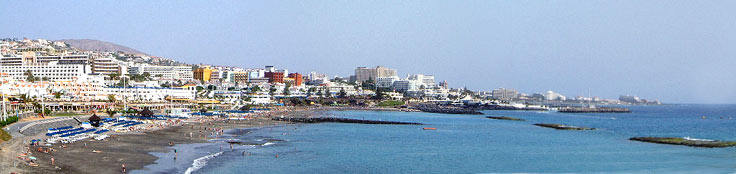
[(191, 157)]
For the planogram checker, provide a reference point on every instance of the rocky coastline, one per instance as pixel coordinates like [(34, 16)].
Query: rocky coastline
[(446, 109), (593, 110)]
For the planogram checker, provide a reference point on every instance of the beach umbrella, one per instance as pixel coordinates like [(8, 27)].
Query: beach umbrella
[(94, 120), (146, 112)]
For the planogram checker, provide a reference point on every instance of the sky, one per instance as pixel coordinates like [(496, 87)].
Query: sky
[(675, 51)]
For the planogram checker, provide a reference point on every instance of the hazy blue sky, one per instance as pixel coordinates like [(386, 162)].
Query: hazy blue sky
[(677, 51)]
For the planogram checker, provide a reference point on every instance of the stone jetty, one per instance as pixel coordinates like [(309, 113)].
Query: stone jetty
[(339, 120), (562, 126), (507, 107), (686, 142), (446, 109), (505, 118), (594, 110)]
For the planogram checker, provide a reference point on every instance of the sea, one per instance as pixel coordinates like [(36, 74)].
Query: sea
[(471, 144)]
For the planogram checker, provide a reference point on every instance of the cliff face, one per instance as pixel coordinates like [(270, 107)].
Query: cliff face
[(92, 45)]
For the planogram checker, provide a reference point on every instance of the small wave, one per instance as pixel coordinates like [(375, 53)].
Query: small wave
[(201, 162), (697, 139), (267, 143)]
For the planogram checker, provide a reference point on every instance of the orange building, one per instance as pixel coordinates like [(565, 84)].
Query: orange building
[(297, 78), (203, 74), (275, 77)]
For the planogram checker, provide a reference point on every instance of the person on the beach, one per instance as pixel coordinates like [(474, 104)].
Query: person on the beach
[(52, 161), (124, 168)]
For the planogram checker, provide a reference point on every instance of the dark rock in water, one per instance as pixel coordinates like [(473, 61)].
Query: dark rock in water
[(685, 142), (256, 142), (272, 140), (594, 110), (446, 109), (505, 118), (505, 107), (338, 120), (247, 143), (562, 126)]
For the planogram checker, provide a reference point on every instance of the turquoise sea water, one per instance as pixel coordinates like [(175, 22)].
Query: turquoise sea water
[(475, 144)]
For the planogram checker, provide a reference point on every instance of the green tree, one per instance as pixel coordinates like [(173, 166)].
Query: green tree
[(146, 76), (368, 84), (343, 94), (328, 94), (245, 108), (113, 76), (24, 98), (255, 89), (57, 95), (272, 90), (111, 112), (286, 89), (30, 77), (111, 98), (379, 94)]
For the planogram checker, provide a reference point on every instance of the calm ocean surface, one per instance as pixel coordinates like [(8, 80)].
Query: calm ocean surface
[(475, 144)]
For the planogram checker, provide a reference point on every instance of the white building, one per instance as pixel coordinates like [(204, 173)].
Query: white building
[(165, 72), (505, 94), (362, 73), (33, 58), (407, 85), (183, 73), (336, 88), (81, 90), (554, 96), (17, 88), (260, 99), (426, 80), (386, 82), (51, 71), (105, 66), (152, 94)]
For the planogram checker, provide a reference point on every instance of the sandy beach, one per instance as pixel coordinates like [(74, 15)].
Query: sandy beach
[(131, 149)]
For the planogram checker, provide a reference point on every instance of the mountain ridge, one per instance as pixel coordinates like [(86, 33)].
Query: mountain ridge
[(93, 45)]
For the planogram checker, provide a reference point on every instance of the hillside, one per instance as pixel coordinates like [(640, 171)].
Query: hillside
[(92, 45)]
